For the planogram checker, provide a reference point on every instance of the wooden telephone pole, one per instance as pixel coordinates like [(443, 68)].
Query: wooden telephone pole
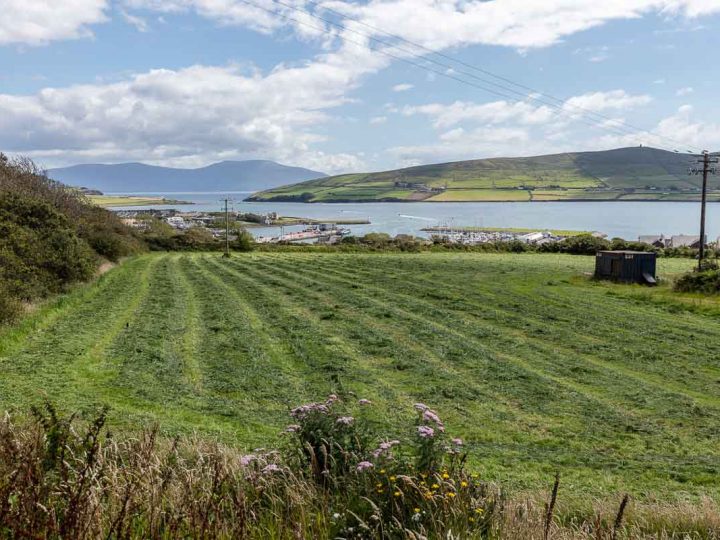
[(227, 230), (706, 161)]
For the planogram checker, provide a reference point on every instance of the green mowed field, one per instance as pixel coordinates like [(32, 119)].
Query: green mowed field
[(536, 366)]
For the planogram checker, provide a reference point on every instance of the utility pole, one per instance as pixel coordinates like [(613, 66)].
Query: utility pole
[(227, 230), (706, 161)]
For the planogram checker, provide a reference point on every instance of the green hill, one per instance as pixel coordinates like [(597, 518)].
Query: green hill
[(637, 173)]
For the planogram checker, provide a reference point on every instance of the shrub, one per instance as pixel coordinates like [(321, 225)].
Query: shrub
[(10, 307), (244, 241), (706, 282), (582, 244)]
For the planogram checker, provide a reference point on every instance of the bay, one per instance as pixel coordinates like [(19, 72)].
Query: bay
[(627, 219)]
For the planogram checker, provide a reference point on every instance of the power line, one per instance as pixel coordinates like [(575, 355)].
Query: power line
[(560, 101), (620, 128)]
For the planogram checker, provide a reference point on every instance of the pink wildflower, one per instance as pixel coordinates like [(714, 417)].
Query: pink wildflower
[(365, 402), (431, 416), (292, 428), (421, 407), (271, 468), (303, 410), (364, 465), (332, 398), (345, 420), (457, 441), (384, 448), (426, 432), (247, 460)]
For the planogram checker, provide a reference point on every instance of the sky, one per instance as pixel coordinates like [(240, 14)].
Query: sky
[(341, 86)]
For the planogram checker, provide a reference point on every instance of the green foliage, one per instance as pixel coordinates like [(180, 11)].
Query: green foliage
[(40, 252), (50, 236), (705, 282), (244, 241), (10, 306), (582, 244)]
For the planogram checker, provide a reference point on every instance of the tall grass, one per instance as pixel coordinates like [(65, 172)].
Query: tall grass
[(333, 478)]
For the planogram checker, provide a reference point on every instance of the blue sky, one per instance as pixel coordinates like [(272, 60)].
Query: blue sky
[(190, 82)]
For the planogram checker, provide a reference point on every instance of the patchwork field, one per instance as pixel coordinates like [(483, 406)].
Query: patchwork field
[(537, 367)]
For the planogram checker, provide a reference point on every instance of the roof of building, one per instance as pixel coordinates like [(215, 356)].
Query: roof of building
[(626, 252)]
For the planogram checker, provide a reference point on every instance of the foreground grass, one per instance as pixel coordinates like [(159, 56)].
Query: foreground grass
[(537, 367)]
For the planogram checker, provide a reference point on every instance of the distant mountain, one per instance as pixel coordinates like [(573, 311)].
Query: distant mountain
[(253, 175), (638, 173)]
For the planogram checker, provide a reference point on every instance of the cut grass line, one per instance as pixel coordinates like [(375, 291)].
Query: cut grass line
[(190, 342), (442, 371), (14, 338), (88, 366), (264, 360), (322, 358), (399, 336), (589, 395), (641, 377)]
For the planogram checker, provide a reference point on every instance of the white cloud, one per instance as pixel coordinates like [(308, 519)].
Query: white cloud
[(190, 116), (139, 23), (496, 112), (695, 133), (37, 22), (602, 101), (684, 91), (594, 54), (404, 87), (440, 24), (469, 130), (378, 120)]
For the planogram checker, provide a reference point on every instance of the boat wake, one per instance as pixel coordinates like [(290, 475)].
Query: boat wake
[(417, 217)]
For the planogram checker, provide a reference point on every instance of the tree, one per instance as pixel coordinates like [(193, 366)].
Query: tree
[(244, 241)]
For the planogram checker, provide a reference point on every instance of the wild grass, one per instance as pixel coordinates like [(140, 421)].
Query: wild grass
[(536, 366), (64, 478)]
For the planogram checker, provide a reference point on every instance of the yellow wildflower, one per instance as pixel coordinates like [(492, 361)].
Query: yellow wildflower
[(471, 520), (397, 493), (451, 494), (463, 484), (478, 510), (382, 471), (416, 510), (392, 478), (435, 486), (445, 475)]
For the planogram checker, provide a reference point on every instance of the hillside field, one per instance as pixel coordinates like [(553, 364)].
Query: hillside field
[(535, 365), (632, 174)]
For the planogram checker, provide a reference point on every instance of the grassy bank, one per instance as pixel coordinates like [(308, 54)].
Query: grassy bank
[(534, 365), (110, 201)]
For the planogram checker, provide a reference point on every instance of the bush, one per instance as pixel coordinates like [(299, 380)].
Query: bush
[(582, 244), (40, 252), (10, 307), (244, 241), (706, 282), (50, 236)]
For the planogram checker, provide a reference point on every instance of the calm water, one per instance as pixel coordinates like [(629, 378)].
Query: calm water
[(623, 219)]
